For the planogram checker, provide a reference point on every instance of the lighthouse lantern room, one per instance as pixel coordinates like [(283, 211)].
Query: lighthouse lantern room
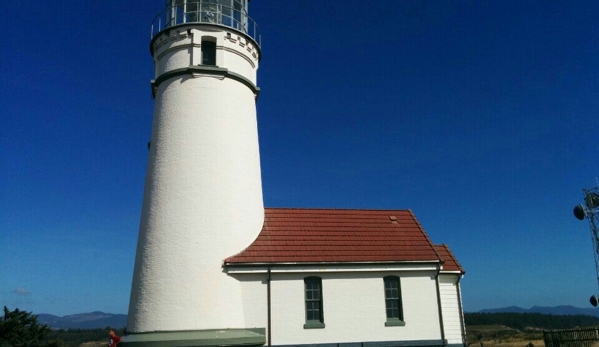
[(230, 13)]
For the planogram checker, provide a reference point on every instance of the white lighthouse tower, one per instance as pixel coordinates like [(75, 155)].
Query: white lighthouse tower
[(203, 192)]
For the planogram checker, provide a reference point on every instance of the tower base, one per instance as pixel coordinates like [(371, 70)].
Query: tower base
[(212, 337)]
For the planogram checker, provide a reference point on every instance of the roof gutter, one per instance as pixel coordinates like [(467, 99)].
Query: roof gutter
[(430, 267)]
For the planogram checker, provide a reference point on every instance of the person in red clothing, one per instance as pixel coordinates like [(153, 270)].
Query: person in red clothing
[(114, 338)]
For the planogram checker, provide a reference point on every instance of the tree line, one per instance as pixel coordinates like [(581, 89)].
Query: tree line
[(526, 321), (21, 329)]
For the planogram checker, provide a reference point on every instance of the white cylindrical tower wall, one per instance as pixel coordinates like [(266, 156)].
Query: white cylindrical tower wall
[(203, 192)]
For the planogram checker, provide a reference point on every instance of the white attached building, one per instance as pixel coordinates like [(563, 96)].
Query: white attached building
[(215, 268), (348, 277)]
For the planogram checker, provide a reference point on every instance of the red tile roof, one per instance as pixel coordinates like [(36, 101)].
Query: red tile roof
[(292, 235), (451, 263)]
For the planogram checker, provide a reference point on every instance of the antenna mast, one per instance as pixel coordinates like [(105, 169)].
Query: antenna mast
[(590, 211)]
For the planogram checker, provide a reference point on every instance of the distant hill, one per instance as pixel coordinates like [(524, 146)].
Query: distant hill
[(555, 310), (97, 319), (92, 320)]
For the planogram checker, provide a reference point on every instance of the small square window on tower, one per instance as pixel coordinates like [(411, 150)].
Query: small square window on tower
[(208, 53)]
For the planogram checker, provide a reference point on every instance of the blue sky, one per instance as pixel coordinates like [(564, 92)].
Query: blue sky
[(481, 117)]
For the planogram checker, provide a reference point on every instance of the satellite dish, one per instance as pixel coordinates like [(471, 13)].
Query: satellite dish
[(592, 200), (593, 301), (579, 212)]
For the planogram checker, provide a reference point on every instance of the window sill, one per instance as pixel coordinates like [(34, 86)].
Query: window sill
[(395, 323), (314, 325)]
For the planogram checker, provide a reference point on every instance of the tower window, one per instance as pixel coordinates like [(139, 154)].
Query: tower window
[(313, 294), (209, 53), (393, 304)]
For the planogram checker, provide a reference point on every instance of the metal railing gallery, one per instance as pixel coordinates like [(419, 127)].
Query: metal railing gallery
[(209, 12)]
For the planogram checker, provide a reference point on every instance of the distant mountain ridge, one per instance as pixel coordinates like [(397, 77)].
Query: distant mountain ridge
[(555, 310), (91, 320), (97, 319)]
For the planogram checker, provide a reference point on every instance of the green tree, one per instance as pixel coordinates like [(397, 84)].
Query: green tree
[(21, 329)]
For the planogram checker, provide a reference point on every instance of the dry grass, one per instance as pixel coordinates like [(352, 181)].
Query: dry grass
[(94, 344), (511, 342), (502, 336)]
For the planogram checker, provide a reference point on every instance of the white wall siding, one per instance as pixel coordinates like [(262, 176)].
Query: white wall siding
[(254, 299), (452, 314), (354, 308)]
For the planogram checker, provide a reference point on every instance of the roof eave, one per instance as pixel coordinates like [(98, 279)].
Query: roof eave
[(333, 267)]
